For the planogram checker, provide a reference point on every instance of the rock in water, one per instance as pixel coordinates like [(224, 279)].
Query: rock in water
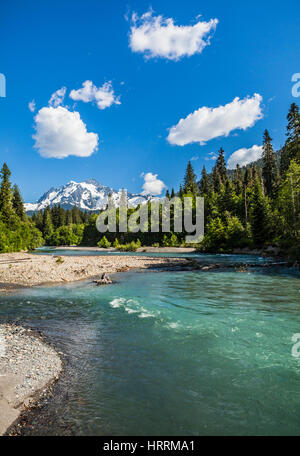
[(104, 280)]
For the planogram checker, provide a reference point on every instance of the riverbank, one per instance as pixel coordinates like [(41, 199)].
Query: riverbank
[(23, 269), (28, 366), (141, 249)]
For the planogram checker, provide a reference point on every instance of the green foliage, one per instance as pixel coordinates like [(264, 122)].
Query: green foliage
[(116, 243), (16, 231), (130, 247), (270, 169), (190, 183), (104, 243), (59, 260), (66, 235)]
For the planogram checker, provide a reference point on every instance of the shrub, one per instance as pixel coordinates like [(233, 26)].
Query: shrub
[(104, 243)]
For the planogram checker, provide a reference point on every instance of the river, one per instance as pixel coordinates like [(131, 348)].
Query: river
[(170, 353)]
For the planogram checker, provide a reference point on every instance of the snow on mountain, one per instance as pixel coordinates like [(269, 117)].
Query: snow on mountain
[(88, 195)]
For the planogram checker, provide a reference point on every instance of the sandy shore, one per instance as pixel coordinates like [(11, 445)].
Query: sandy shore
[(23, 269), (27, 367)]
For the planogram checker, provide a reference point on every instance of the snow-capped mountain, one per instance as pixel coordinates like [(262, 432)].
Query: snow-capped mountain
[(88, 195)]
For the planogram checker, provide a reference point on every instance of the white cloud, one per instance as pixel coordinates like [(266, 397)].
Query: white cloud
[(60, 133), (58, 97), (152, 185), (208, 123), (104, 96), (244, 156), (212, 156), (31, 106), (156, 36)]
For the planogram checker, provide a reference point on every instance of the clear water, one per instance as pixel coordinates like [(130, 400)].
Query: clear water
[(171, 353), (222, 259)]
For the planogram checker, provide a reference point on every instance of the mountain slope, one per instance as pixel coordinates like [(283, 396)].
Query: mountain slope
[(88, 195)]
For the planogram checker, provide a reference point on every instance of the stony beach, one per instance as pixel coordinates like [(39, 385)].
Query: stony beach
[(23, 269), (28, 366)]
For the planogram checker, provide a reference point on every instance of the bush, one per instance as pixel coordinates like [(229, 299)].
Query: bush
[(130, 247), (116, 244), (156, 244), (67, 235), (104, 243)]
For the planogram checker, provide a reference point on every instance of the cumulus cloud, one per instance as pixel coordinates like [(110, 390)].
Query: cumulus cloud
[(206, 123), (31, 106), (156, 36), (244, 156), (152, 185), (103, 96), (60, 133), (58, 97)]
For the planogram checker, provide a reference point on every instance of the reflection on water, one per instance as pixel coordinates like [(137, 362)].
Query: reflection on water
[(185, 353)]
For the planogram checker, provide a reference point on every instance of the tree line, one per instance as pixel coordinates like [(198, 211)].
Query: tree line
[(253, 206)]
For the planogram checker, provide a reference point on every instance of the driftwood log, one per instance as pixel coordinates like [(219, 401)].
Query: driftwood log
[(104, 280)]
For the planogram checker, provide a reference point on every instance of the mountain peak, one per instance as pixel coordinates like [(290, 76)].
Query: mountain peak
[(88, 195)]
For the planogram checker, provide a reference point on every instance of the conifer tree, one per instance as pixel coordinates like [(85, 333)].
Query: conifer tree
[(291, 150), (204, 183), (18, 204), (221, 166), (270, 169), (261, 222), (69, 217), (6, 200), (47, 224), (61, 216), (238, 179), (190, 184)]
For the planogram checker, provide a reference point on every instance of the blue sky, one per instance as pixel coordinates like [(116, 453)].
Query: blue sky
[(53, 44)]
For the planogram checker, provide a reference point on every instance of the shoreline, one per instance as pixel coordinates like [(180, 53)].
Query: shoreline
[(29, 366), (19, 270)]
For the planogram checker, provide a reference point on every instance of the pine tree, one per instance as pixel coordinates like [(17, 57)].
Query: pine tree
[(217, 181), (76, 215), (18, 204), (6, 199), (69, 218), (204, 183), (291, 150), (221, 166), (261, 221), (228, 197), (238, 180), (190, 184), (61, 215), (270, 169), (47, 224), (219, 174)]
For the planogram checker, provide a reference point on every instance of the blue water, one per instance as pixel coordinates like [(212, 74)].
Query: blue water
[(172, 353), (222, 259)]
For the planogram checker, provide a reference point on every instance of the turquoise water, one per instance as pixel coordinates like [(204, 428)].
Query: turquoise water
[(171, 353), (205, 258)]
